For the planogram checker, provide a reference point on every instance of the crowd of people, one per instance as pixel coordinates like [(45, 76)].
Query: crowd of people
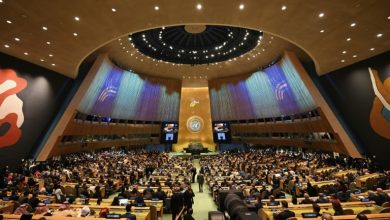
[(261, 174), (99, 175), (269, 174)]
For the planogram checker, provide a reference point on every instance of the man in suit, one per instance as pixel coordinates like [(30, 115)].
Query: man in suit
[(176, 202), (193, 171), (200, 179), (285, 214), (307, 199), (128, 214)]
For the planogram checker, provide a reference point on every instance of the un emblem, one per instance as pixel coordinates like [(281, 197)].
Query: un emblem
[(195, 124)]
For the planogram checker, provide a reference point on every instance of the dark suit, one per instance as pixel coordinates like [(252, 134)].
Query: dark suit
[(129, 216), (200, 179), (176, 204)]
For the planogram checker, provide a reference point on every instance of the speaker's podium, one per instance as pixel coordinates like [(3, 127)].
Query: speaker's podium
[(196, 149)]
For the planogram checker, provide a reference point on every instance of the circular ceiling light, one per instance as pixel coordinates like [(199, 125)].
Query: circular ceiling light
[(195, 44)]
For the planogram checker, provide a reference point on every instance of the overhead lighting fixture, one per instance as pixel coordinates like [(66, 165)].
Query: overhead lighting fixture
[(77, 18), (50, 55), (354, 56), (348, 39), (1, 1), (75, 34), (372, 48), (113, 9), (6, 45), (42, 60), (322, 31), (53, 64), (199, 6), (17, 39), (241, 7), (379, 35), (344, 52), (320, 15), (388, 18), (48, 42), (353, 24), (156, 8), (342, 61), (9, 22), (44, 28), (284, 8), (25, 53)]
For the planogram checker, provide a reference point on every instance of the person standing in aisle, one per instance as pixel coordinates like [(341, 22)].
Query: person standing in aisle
[(193, 172), (176, 202), (200, 179)]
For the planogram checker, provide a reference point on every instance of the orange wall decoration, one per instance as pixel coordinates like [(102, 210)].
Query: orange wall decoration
[(381, 103), (195, 115)]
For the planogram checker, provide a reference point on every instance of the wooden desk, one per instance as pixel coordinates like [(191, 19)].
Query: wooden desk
[(107, 202), (353, 217), (6, 206), (361, 180), (325, 207), (36, 217), (320, 170), (345, 172), (142, 213)]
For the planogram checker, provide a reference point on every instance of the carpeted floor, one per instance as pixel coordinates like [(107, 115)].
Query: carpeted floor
[(203, 202)]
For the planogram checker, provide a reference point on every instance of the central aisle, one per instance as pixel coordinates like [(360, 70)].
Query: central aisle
[(203, 202)]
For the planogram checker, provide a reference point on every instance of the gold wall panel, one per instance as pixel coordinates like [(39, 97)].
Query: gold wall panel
[(195, 108)]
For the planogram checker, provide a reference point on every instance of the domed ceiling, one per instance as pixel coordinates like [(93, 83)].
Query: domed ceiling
[(60, 35), (195, 44)]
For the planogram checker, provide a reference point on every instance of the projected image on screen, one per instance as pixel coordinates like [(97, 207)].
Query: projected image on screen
[(169, 132), (221, 132)]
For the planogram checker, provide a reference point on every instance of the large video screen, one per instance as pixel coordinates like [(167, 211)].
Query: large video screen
[(169, 131), (221, 132)]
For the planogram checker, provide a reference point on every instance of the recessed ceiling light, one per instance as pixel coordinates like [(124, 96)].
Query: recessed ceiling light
[(44, 28), (348, 39), (75, 34), (241, 7), (388, 18), (344, 52), (53, 64), (48, 42), (77, 18), (113, 9), (17, 39), (50, 55), (379, 35), (284, 8), (322, 31), (372, 48), (1, 1), (342, 61), (320, 15), (353, 24), (354, 56), (42, 60), (25, 53), (199, 6), (156, 8), (9, 22), (6, 45)]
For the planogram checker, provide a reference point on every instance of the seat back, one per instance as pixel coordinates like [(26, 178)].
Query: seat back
[(385, 210), (348, 212)]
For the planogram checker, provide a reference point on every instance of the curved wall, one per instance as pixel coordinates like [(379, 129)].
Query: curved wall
[(274, 91), (122, 94)]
